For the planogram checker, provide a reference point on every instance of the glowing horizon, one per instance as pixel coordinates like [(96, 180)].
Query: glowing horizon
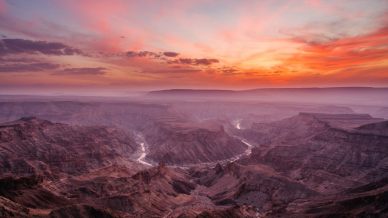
[(120, 46)]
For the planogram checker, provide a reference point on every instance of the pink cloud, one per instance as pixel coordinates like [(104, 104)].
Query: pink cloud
[(3, 6)]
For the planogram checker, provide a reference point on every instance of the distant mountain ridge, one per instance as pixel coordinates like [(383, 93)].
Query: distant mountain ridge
[(351, 95), (227, 91)]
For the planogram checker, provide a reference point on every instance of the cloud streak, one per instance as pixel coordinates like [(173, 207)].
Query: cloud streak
[(142, 54), (172, 58), (196, 61), (30, 67), (17, 46), (82, 71), (170, 54)]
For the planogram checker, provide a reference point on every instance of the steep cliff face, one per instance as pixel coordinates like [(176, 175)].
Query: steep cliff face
[(322, 151), (29, 192), (259, 186), (380, 128), (365, 201), (110, 192), (297, 129), (149, 193), (180, 142), (32, 146)]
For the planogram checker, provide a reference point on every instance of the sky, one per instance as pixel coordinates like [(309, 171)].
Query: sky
[(124, 46)]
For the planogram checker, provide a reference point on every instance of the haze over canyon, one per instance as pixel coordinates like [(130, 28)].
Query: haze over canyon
[(195, 153), (193, 108)]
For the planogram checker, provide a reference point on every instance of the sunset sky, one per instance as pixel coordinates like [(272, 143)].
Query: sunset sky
[(120, 46)]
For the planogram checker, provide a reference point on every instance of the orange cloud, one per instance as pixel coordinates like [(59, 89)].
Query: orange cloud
[(198, 43), (335, 55)]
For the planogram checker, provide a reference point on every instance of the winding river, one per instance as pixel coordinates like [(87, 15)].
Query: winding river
[(238, 124), (248, 151), (143, 152)]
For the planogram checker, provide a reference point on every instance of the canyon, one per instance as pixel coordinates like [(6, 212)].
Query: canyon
[(191, 158)]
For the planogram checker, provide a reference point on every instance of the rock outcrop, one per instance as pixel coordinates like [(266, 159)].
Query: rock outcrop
[(177, 142), (32, 146), (322, 151)]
